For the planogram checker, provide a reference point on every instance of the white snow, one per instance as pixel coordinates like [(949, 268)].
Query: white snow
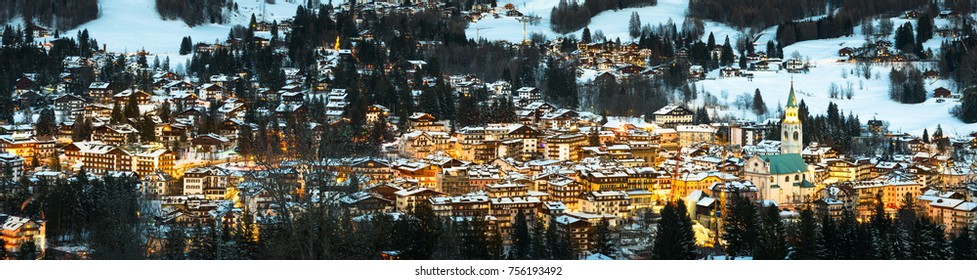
[(871, 96), (133, 25)]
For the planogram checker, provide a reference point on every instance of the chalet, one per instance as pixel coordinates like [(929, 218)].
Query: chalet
[(729, 72), (97, 157), (846, 52), (142, 97), (24, 84), (696, 72), (93, 111), (362, 202), (794, 65), (38, 31), (115, 134), (212, 182), (941, 92), (211, 143), (185, 98), (30, 98), (530, 94), (178, 86), (69, 103), (631, 70), (101, 92), (376, 112), (931, 74), (15, 231), (210, 92)]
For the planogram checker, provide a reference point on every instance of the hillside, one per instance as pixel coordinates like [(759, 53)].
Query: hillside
[(871, 96), (130, 25)]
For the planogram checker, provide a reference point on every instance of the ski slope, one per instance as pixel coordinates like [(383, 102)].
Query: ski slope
[(133, 25)]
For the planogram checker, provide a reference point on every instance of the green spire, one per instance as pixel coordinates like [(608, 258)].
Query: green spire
[(791, 101)]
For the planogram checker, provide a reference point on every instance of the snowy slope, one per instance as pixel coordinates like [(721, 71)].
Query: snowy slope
[(871, 96), (614, 24), (132, 25)]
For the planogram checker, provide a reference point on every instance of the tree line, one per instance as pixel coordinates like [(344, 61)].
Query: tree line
[(568, 17), (58, 15), (195, 13), (761, 232)]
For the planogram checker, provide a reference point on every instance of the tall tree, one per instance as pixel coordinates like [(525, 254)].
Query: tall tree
[(674, 238), (772, 241), (740, 226), (634, 25)]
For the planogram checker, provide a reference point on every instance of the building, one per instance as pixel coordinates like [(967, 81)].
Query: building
[(408, 199), (689, 135), (11, 165), (673, 115), (566, 146), (97, 157), (792, 140), (212, 182), (615, 203), (15, 231), (781, 178)]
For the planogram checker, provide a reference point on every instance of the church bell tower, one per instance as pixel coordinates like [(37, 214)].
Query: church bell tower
[(792, 134)]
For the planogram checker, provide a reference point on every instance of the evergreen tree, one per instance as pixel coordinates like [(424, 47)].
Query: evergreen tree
[(634, 25), (175, 245), (147, 129), (46, 123), (521, 240), (602, 240), (27, 251), (759, 107), (727, 56), (772, 240), (186, 46), (740, 226), (963, 246), (926, 136), (674, 238), (804, 239)]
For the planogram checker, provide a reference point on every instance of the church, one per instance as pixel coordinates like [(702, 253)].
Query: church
[(783, 178)]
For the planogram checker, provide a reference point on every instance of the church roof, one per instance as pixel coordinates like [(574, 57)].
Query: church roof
[(785, 164), (791, 101)]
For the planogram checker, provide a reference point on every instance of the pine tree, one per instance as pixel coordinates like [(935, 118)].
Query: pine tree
[(740, 226), (727, 56), (634, 25), (521, 240), (147, 129), (674, 238), (805, 237), (46, 123), (926, 136), (601, 239), (829, 239), (559, 243), (27, 251), (772, 240), (963, 246), (117, 115), (759, 107), (174, 248), (186, 46)]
